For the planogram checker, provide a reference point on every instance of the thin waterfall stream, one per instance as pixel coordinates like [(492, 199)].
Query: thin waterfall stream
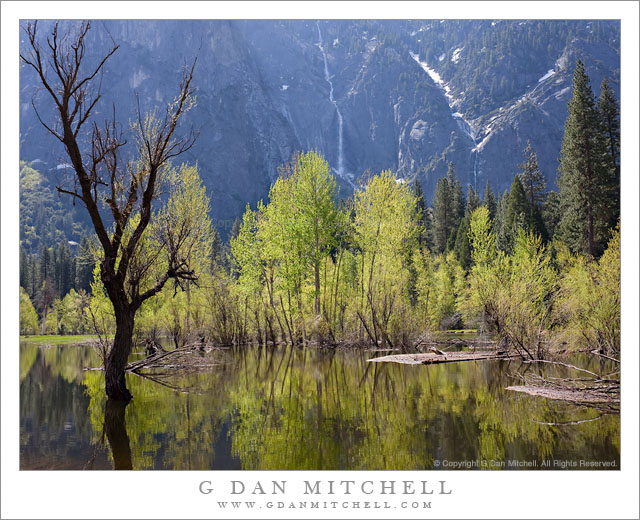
[(340, 170)]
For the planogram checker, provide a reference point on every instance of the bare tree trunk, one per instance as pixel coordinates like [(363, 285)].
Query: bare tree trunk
[(316, 273), (44, 322), (116, 362)]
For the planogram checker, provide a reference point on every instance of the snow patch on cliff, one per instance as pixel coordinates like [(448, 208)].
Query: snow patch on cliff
[(455, 57), (549, 73)]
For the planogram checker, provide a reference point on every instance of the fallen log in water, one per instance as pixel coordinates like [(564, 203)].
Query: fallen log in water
[(576, 396), (189, 357), (445, 357), (593, 389)]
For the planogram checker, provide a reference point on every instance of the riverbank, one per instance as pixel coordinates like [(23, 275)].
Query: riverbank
[(54, 339)]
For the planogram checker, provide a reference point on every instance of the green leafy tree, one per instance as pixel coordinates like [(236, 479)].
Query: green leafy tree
[(589, 299), (315, 212), (246, 249), (385, 231), (447, 278), (72, 313), (512, 294), (28, 314)]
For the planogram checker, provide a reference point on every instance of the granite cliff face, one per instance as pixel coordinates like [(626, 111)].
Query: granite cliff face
[(409, 96)]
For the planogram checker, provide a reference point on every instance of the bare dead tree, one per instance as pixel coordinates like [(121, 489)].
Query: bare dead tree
[(103, 179)]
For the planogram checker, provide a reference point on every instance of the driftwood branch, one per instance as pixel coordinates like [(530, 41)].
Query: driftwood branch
[(445, 357)]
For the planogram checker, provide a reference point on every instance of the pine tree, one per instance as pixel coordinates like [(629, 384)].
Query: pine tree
[(448, 210), (609, 113), (442, 214), (473, 200), (583, 172), (218, 253), (462, 247), (84, 266), (424, 218), (499, 221), (45, 267), (489, 200), (459, 202), (610, 116), (515, 215), (25, 275), (532, 181), (551, 213), (235, 228), (457, 210)]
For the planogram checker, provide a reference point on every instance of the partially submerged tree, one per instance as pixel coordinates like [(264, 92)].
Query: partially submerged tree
[(125, 188)]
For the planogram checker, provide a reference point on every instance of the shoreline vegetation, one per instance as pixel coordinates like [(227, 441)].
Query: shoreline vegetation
[(538, 270), (57, 339)]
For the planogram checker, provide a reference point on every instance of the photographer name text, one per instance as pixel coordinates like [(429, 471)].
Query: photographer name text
[(330, 487)]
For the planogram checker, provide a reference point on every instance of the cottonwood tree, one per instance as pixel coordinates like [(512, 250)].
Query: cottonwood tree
[(103, 180), (385, 231)]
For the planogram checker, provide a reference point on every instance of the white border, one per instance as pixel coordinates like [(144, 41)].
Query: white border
[(174, 494)]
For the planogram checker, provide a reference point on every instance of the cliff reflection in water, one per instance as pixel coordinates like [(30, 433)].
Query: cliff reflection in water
[(289, 408)]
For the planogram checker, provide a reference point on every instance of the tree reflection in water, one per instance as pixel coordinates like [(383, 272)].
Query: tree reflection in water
[(116, 431), (298, 408)]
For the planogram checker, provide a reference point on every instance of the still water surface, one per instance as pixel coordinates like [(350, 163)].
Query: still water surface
[(290, 408)]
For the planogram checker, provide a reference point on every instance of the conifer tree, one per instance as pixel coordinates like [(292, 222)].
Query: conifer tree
[(609, 113), (515, 215), (489, 200), (551, 213), (442, 214), (84, 266), (424, 218), (235, 228), (610, 117), (499, 221), (462, 247), (473, 200), (448, 210), (533, 183), (458, 198), (583, 173), (25, 274)]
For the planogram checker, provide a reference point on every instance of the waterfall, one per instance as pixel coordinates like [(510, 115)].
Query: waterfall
[(463, 124), (340, 171)]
